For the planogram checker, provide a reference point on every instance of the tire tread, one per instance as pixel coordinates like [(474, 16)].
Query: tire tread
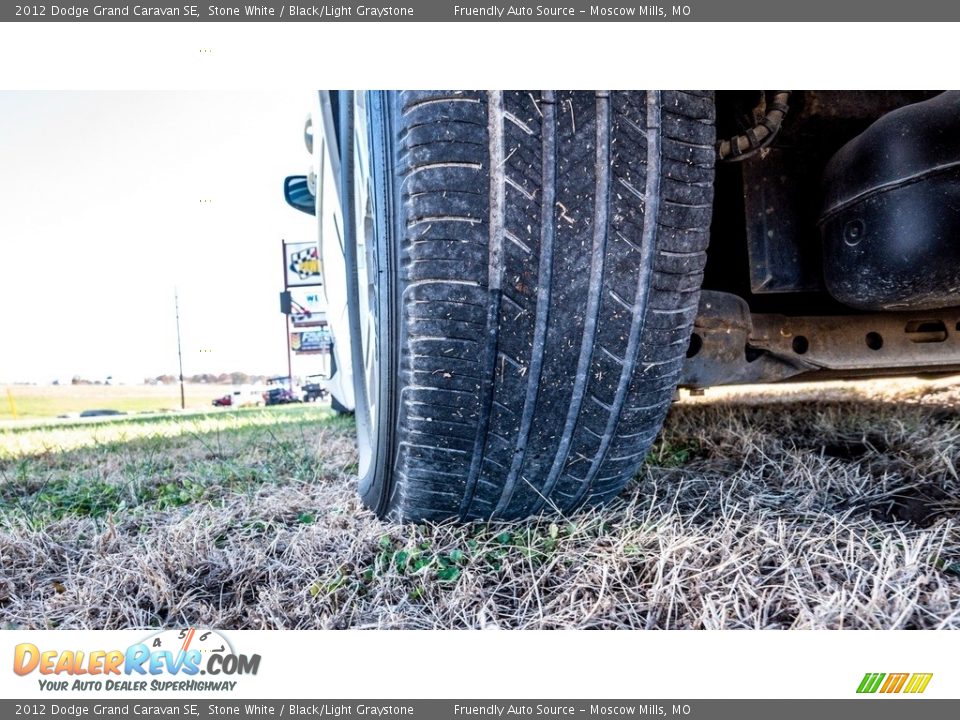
[(551, 258)]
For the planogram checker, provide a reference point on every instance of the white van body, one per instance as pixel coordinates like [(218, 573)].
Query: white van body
[(247, 396)]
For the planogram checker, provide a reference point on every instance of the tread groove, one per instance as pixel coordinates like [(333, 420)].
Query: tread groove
[(434, 101), (548, 196), (595, 288), (495, 134), (648, 239)]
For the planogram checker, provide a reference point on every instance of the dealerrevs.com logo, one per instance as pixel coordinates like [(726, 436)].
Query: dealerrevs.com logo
[(169, 660)]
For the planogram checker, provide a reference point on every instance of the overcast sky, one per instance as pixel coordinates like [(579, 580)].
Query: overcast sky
[(101, 217)]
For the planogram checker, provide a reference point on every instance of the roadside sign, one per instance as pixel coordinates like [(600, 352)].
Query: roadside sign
[(310, 341), (302, 264), (308, 308)]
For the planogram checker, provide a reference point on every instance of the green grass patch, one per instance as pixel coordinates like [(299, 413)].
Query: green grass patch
[(146, 465), (667, 454), (19, 402), (52, 438), (429, 558)]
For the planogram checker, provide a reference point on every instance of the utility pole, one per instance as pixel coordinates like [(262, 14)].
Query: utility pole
[(289, 356), (286, 321), (176, 307)]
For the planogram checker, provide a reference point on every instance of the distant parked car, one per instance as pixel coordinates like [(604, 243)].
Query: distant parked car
[(314, 389), (279, 396), (243, 396)]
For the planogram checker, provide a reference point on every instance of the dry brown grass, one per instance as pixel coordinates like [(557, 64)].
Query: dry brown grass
[(751, 513)]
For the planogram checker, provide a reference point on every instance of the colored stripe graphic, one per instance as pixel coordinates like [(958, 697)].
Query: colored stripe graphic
[(894, 683), (918, 683), (870, 682)]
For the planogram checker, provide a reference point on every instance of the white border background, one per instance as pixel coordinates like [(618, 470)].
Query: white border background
[(487, 55)]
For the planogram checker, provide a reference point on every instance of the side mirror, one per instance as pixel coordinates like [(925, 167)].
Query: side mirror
[(296, 191), (308, 134)]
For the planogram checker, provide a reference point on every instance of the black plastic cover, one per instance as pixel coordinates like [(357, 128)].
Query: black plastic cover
[(891, 214)]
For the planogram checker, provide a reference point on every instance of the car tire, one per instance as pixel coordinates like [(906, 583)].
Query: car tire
[(534, 261), (338, 407)]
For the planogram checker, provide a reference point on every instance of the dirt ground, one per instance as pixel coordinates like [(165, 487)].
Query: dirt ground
[(831, 506)]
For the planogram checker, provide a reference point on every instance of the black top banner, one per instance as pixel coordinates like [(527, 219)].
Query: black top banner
[(478, 11)]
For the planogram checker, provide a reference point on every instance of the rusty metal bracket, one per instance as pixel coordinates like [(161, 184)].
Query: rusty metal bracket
[(730, 345), (720, 351)]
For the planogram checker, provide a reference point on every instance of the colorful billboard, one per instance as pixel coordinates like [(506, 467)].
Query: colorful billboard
[(310, 341)]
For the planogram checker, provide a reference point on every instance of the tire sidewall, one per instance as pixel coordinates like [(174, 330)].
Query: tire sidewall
[(374, 485)]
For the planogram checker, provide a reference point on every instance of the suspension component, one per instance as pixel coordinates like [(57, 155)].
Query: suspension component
[(773, 107)]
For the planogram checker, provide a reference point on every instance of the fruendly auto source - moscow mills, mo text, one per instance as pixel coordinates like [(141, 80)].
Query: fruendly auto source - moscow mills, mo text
[(559, 10)]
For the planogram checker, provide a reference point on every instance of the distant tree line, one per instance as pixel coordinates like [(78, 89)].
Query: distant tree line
[(77, 380), (234, 378)]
